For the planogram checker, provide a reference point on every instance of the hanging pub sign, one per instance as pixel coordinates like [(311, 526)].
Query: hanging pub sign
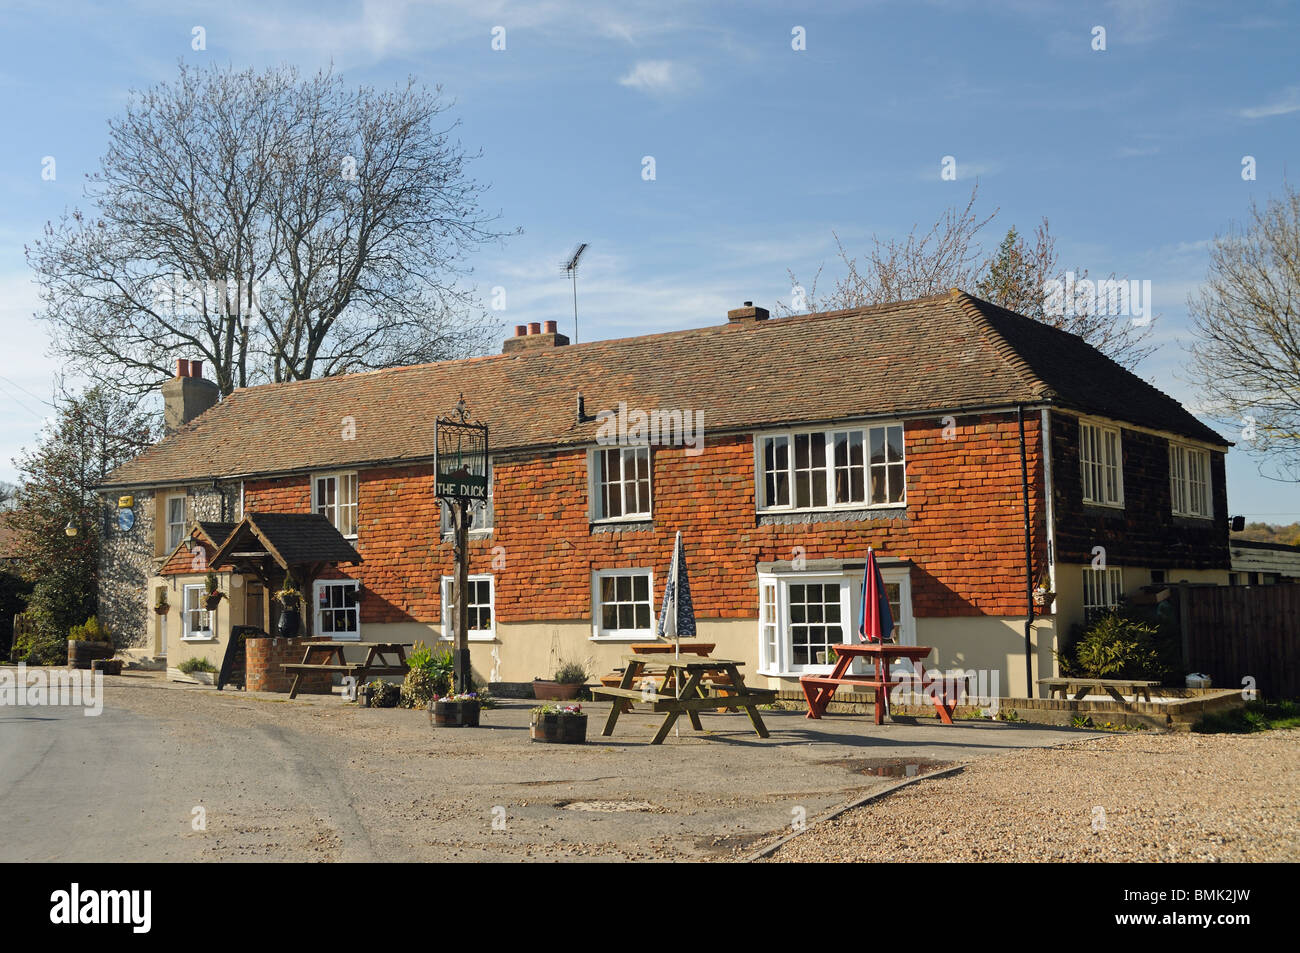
[(460, 457)]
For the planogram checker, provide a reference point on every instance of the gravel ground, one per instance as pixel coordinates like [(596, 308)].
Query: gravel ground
[(1130, 797)]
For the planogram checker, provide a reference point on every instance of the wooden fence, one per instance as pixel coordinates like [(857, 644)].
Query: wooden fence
[(1235, 632)]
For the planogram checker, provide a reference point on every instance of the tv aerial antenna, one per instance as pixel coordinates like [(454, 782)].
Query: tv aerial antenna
[(571, 269)]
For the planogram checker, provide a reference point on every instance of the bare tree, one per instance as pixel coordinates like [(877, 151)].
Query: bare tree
[(280, 227), (1245, 355), (949, 255), (1019, 273)]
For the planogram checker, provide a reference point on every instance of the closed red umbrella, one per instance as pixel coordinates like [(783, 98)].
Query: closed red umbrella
[(876, 619)]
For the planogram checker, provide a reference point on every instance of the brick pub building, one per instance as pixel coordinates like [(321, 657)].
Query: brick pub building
[(781, 448)]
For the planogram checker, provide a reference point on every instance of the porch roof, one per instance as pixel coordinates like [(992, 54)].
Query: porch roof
[(290, 540)]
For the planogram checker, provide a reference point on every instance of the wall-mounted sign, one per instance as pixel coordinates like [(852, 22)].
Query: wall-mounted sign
[(125, 520), (125, 502)]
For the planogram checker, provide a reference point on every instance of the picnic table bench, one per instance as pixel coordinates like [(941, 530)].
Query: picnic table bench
[(1110, 686), (818, 689), (375, 663), (690, 698)]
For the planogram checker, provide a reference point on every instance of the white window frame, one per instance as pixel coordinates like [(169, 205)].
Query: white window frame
[(1111, 593), (828, 436), (482, 511), (596, 483), (598, 632), (172, 524), (475, 635), (1182, 482), (317, 628), (331, 510), (189, 634), (775, 641), (1095, 472)]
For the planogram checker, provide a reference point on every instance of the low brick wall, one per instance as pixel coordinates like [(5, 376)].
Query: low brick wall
[(262, 661)]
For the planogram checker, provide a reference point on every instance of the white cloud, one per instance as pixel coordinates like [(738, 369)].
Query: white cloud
[(1288, 103), (659, 77)]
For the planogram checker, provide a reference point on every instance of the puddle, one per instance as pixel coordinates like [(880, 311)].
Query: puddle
[(890, 767), (607, 807)]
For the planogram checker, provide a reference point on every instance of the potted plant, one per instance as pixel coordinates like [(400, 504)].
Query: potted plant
[(458, 710), (199, 669), (558, 724), (565, 686), (212, 598), (89, 641), (162, 605), (1043, 595), (290, 599)]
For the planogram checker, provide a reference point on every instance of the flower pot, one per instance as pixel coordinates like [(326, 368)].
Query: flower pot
[(81, 654), (289, 623), (161, 610), (212, 600), (454, 714), (546, 690), (109, 666), (558, 729)]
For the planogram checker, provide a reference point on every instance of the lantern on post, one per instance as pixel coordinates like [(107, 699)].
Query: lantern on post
[(460, 480)]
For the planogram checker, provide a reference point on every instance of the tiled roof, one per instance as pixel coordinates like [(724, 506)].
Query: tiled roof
[(298, 539), (8, 539), (944, 352)]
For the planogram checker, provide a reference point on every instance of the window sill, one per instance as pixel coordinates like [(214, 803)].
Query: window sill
[(846, 515), (473, 638), (1119, 507), (207, 637), (647, 635)]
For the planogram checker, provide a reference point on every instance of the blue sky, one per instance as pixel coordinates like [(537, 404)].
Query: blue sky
[(761, 152)]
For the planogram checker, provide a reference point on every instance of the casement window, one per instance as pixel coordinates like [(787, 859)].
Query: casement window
[(832, 469), (620, 483), (338, 616), (1189, 480), (480, 511), (482, 615), (1103, 590), (335, 497), (622, 604), (803, 614), (175, 522), (1101, 461), (197, 619)]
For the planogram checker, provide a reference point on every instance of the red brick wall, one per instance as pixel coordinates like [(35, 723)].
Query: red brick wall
[(963, 528), (263, 658)]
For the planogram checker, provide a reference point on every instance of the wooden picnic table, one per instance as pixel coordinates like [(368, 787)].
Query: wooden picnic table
[(818, 689), (375, 663), (692, 696), (1110, 686)]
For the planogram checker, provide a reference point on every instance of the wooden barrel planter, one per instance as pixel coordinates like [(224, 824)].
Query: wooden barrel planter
[(81, 654), (558, 729), (463, 714)]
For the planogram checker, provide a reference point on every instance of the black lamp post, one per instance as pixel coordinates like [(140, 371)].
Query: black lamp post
[(460, 480)]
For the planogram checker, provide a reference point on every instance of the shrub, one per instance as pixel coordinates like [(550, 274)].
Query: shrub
[(1115, 646), (192, 665), (383, 694), (91, 631), (437, 668), (570, 673), (418, 689), (32, 647), (1256, 715)]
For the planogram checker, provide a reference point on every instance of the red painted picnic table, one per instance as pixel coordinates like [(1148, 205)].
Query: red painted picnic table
[(818, 689)]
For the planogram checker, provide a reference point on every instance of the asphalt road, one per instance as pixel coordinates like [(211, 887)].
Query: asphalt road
[(317, 779)]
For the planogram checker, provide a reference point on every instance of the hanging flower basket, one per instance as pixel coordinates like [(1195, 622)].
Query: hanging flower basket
[(455, 711), (1043, 597), (556, 724), (213, 599)]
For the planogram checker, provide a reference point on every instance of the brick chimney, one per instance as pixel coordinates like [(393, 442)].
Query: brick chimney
[(187, 395), (748, 313), (531, 336)]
